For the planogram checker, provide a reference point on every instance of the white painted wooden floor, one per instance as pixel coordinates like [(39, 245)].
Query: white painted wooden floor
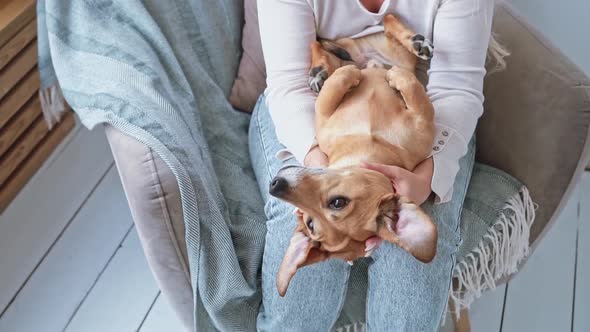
[(70, 259)]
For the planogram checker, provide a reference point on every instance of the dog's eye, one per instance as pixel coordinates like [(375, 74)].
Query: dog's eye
[(309, 224), (338, 203)]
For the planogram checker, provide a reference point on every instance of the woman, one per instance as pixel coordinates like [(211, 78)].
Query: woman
[(402, 294)]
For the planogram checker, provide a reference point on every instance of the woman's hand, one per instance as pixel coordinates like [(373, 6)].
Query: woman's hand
[(316, 158), (413, 185)]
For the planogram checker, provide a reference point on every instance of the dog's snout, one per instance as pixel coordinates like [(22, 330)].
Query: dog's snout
[(278, 186)]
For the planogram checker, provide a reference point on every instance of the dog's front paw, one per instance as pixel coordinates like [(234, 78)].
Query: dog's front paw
[(400, 78), (423, 47), (317, 76)]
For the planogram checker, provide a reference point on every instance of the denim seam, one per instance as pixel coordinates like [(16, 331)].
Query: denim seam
[(262, 138), (367, 303), (469, 170), (265, 151), (342, 298)]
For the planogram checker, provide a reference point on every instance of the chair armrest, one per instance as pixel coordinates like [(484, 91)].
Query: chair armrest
[(154, 199), (536, 120)]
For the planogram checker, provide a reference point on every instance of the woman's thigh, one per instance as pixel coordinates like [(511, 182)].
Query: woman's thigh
[(405, 294), (316, 293)]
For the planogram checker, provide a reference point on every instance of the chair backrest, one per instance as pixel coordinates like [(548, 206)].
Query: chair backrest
[(537, 117)]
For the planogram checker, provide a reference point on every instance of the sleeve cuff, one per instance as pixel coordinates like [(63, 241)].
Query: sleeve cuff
[(443, 178), (298, 152), (448, 147)]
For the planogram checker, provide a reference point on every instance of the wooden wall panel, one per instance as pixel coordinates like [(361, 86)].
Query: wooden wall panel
[(21, 149), (14, 14), (33, 162), (17, 43), (18, 68), (18, 96), (25, 140), (19, 124)]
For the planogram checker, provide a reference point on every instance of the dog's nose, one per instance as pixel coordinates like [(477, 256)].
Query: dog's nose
[(278, 186)]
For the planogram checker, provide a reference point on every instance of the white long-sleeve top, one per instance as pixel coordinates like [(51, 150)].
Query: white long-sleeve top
[(459, 29)]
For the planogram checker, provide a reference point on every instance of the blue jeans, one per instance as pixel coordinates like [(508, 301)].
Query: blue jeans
[(401, 293)]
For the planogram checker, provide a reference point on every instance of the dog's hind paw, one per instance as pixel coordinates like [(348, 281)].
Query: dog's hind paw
[(423, 47), (317, 77)]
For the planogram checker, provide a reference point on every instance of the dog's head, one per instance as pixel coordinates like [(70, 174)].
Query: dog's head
[(339, 209)]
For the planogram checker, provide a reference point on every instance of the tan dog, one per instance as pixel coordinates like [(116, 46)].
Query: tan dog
[(372, 115)]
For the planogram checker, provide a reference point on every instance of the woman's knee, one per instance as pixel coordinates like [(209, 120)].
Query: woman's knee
[(315, 291), (402, 288), (313, 301)]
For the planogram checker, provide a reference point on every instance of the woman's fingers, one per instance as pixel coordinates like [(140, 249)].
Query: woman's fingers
[(400, 178), (371, 244), (392, 172), (415, 187)]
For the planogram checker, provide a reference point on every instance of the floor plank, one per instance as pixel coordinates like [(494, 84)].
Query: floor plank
[(486, 312), (36, 217), (582, 302), (122, 296), (71, 267), (448, 325), (161, 318), (540, 297)]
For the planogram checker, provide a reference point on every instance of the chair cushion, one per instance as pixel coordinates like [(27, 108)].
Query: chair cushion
[(251, 78)]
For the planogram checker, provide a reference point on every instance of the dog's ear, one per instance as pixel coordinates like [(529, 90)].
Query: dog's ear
[(407, 225), (301, 252)]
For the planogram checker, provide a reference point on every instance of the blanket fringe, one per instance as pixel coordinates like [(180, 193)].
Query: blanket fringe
[(53, 104), (354, 327), (498, 254)]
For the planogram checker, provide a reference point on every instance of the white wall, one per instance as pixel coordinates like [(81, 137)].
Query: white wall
[(566, 23)]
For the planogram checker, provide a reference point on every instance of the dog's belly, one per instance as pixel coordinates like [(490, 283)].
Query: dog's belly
[(372, 124), (371, 108)]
